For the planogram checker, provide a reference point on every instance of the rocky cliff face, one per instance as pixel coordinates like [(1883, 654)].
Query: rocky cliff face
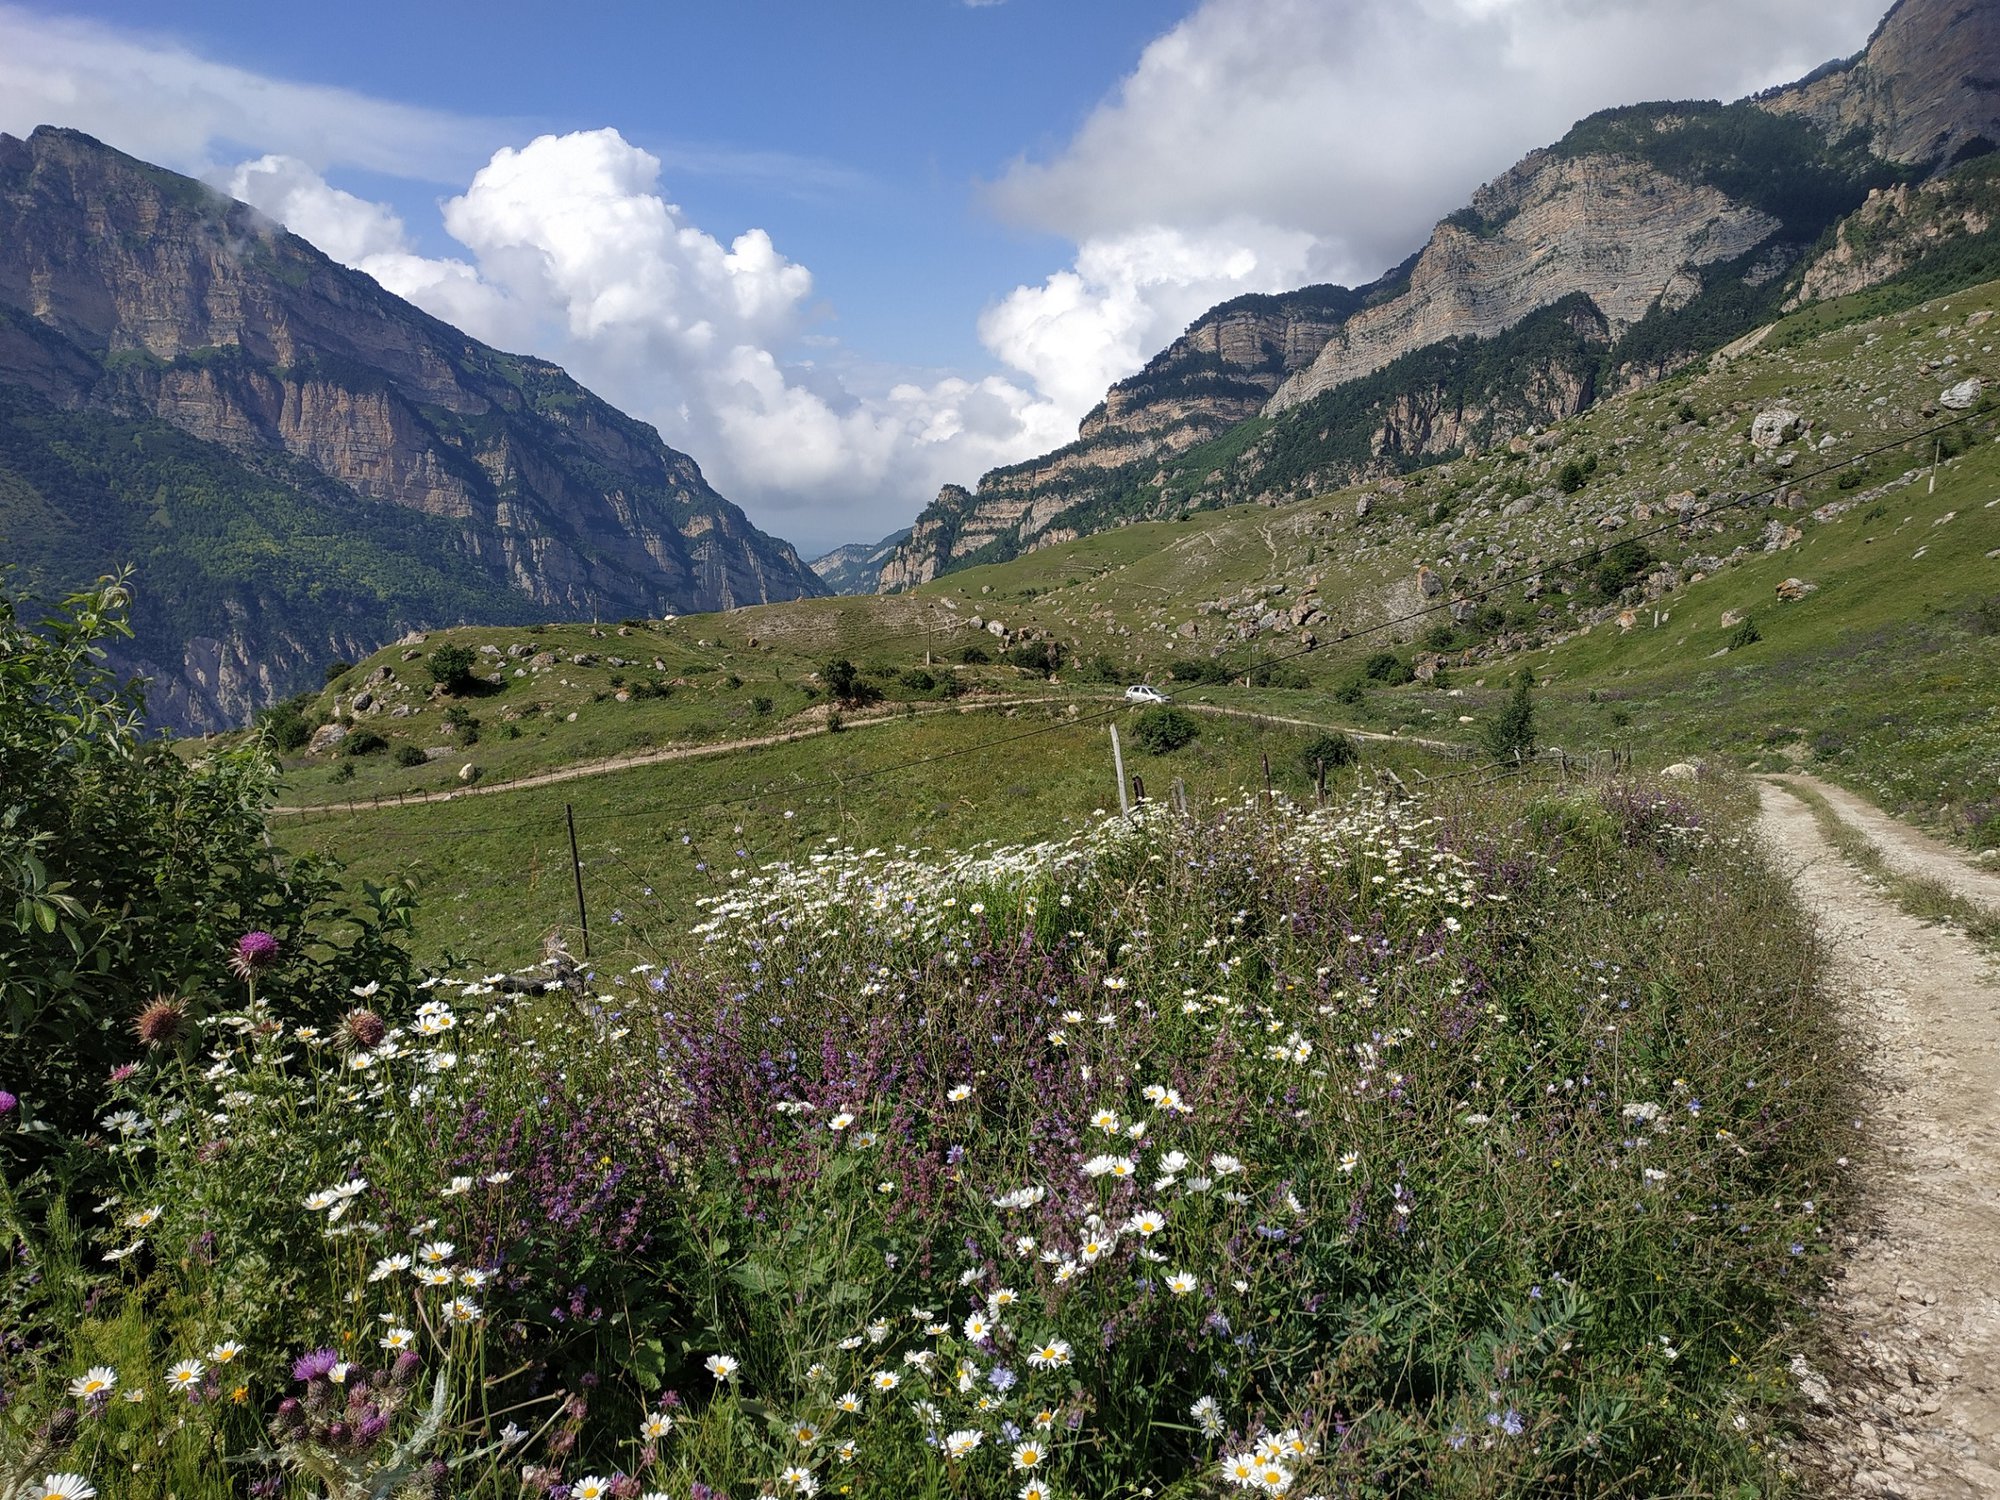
[(1222, 370), (857, 567), (1926, 89), (1676, 223), (130, 291), (1621, 233), (1901, 227)]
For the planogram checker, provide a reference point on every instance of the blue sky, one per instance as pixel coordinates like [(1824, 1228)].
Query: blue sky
[(855, 133), (843, 253)]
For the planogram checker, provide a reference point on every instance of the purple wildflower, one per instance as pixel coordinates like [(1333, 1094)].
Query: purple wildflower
[(253, 954), (314, 1366)]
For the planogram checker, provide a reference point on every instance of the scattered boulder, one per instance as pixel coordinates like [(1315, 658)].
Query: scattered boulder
[(995, 629), (325, 738), (1796, 588), (468, 773), (1428, 583), (1772, 428), (1731, 618), (1680, 770), (1362, 506), (1963, 396)]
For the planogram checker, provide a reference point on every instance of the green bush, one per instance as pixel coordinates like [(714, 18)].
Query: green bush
[(1045, 658), (1745, 634), (451, 667), (1199, 670), (917, 680), (1162, 729), (974, 656), (1328, 751), (410, 755), (1388, 667), (844, 681), (1511, 734), (335, 669), (130, 873), (363, 742)]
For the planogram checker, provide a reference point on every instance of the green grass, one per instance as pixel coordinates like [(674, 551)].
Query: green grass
[(494, 870)]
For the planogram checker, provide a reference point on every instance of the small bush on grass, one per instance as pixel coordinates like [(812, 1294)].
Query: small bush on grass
[(1163, 729)]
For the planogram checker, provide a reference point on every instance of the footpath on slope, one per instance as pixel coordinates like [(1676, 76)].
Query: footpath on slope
[(1911, 1405), (615, 763)]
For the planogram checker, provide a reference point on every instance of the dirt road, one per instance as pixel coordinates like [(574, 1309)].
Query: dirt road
[(1910, 1403)]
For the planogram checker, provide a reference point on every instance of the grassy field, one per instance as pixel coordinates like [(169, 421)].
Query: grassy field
[(494, 871)]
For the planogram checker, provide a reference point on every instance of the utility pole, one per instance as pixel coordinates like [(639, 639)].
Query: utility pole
[(1118, 768), (576, 869)]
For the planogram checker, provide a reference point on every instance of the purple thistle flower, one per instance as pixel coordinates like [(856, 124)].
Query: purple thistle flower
[(253, 954), (314, 1366), (8, 1102)]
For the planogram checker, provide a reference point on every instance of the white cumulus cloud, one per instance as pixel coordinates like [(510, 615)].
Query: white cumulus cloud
[(573, 250)]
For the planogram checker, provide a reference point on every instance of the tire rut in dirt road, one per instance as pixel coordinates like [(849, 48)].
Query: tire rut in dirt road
[(1911, 1405)]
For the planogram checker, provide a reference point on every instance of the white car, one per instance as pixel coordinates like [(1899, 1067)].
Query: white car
[(1138, 692)]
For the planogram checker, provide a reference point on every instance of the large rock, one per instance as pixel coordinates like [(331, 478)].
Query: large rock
[(325, 738), (1774, 427), (1963, 396)]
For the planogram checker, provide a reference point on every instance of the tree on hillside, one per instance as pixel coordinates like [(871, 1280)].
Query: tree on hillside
[(451, 667), (1512, 732)]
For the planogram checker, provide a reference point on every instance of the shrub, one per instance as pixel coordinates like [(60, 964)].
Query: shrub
[(451, 667), (917, 680), (1745, 634), (844, 681), (974, 656), (1623, 563), (760, 705), (1350, 694), (363, 742), (463, 724), (411, 756), (1101, 668), (1387, 667), (1329, 752), (335, 669), (131, 873), (1511, 734), (1199, 670), (1044, 658), (1570, 478), (284, 726), (1163, 729)]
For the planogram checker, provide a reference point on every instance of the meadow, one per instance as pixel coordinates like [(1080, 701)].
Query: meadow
[(1479, 1143)]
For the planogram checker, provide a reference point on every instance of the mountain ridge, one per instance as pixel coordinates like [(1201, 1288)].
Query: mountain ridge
[(131, 294), (1680, 223)]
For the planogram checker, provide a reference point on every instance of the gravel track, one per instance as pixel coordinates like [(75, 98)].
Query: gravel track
[(1910, 1403)]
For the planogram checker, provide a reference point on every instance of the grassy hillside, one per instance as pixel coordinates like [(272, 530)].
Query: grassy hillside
[(1656, 505)]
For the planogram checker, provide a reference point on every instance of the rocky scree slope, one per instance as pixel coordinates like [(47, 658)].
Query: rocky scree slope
[(1647, 236), (405, 473)]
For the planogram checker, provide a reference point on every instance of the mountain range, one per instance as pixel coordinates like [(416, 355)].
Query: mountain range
[(299, 465), (1648, 236)]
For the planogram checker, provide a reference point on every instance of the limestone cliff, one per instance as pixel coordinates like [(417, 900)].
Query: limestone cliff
[(134, 293), (1619, 232), (1217, 373), (1926, 89)]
